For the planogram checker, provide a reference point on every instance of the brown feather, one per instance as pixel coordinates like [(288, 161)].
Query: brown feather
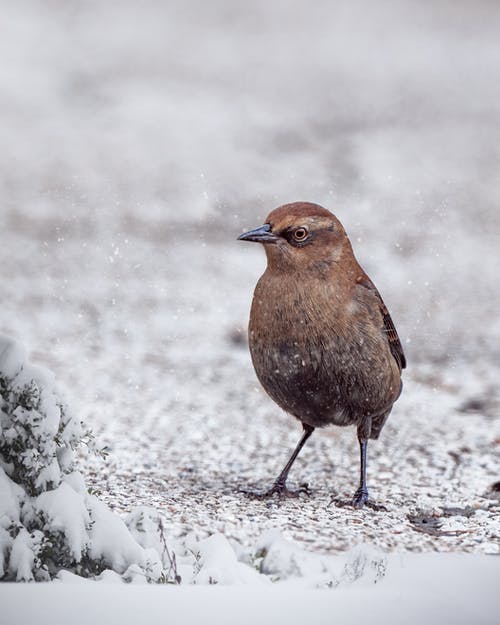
[(390, 329)]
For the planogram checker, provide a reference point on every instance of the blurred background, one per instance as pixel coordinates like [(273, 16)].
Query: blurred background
[(140, 138)]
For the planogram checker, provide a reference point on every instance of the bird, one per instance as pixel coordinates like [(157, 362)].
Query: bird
[(322, 342)]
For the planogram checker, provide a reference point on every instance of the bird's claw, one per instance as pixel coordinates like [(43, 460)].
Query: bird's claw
[(360, 498), (358, 501), (282, 491), (377, 507)]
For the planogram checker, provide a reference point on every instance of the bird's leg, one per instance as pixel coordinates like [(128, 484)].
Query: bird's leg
[(279, 487), (361, 495), (360, 498)]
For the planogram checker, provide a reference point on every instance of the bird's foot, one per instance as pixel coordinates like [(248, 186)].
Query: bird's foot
[(358, 501), (282, 491), (360, 498)]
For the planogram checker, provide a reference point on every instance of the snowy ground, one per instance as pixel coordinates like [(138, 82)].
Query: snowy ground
[(418, 589), (160, 372), (136, 145)]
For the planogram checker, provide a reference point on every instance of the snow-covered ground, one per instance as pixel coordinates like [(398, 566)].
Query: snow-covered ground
[(139, 141), (151, 355), (418, 589)]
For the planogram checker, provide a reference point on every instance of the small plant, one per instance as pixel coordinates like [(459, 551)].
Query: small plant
[(172, 573)]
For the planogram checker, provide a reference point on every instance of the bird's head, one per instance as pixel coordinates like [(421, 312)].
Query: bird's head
[(301, 236)]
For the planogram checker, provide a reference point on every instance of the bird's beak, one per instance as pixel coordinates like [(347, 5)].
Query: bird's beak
[(262, 234)]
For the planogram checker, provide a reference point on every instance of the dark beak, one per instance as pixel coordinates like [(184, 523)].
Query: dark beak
[(262, 234)]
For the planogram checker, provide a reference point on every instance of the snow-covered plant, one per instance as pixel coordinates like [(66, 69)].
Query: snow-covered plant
[(38, 434), (49, 522)]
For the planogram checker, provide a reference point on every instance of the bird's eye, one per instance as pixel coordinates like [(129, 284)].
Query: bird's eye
[(300, 234)]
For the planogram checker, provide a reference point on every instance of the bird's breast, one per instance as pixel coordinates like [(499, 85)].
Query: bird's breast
[(316, 360)]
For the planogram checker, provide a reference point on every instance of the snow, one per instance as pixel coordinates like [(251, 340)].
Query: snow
[(49, 475), (22, 556), (111, 540), (65, 512), (10, 494), (12, 357), (416, 588), (216, 563)]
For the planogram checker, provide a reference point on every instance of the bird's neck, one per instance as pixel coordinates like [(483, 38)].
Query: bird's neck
[(338, 268)]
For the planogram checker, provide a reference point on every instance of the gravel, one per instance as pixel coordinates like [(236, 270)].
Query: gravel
[(157, 364)]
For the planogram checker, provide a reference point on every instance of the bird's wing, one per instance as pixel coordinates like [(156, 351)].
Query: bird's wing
[(389, 328)]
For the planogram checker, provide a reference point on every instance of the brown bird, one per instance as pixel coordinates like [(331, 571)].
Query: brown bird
[(322, 342)]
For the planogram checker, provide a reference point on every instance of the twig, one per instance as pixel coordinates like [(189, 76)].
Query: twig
[(171, 558)]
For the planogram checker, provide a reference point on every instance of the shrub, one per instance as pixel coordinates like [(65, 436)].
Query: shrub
[(48, 520)]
